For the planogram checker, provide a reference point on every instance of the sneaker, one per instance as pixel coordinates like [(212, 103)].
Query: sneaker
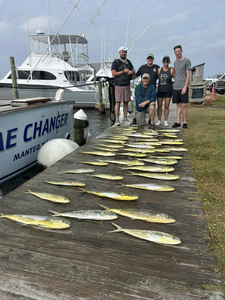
[(152, 126), (158, 123), (117, 123), (185, 125), (149, 121), (134, 121), (176, 125), (166, 123)]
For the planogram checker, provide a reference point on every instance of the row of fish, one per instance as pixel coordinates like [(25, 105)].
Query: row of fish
[(109, 213)]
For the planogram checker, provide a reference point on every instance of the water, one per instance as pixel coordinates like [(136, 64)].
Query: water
[(97, 124)]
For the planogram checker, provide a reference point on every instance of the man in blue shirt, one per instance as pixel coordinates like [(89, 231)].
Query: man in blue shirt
[(145, 94)]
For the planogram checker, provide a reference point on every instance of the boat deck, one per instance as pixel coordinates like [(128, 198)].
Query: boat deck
[(87, 261)]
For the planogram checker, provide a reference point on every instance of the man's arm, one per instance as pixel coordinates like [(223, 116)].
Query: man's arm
[(188, 72), (127, 71)]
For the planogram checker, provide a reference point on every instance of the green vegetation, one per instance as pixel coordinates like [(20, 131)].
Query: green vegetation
[(205, 138)]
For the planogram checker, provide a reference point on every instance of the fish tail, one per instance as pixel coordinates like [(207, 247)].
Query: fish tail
[(54, 212), (105, 207), (29, 192), (132, 173), (118, 228), (83, 190), (1, 215)]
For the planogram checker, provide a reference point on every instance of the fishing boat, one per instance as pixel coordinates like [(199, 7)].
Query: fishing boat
[(26, 125), (54, 61)]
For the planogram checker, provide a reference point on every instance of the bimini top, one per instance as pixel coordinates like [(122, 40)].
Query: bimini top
[(58, 39)]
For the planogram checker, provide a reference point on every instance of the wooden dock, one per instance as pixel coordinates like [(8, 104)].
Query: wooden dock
[(87, 261)]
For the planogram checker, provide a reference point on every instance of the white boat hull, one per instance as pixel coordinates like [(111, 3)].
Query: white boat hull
[(24, 130)]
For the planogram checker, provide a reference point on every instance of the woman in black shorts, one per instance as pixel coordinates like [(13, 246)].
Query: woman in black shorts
[(165, 88)]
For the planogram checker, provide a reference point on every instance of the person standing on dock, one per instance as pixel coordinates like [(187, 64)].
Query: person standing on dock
[(182, 68), (122, 71), (150, 69), (165, 88), (145, 95)]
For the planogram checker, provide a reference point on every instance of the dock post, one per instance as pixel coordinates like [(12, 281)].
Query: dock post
[(101, 107), (13, 76), (80, 127)]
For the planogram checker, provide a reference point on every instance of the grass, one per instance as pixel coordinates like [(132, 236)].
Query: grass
[(205, 140)]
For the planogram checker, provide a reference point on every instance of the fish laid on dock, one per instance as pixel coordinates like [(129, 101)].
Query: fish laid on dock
[(136, 150), (66, 183), (113, 195), (133, 154), (169, 130), (160, 176), (168, 135), (176, 149), (100, 153), (147, 215), (114, 141), (126, 162), (105, 176), (176, 157), (120, 137), (171, 143), (78, 171), (106, 149), (142, 145), (40, 221), (98, 215), (150, 235), (111, 146), (50, 197), (95, 163), (150, 187), (139, 135), (164, 150), (160, 161), (151, 168), (150, 139)]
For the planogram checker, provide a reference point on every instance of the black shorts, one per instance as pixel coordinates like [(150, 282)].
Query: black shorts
[(164, 94), (178, 98)]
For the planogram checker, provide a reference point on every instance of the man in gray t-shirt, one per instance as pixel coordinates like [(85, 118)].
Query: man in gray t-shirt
[(182, 68)]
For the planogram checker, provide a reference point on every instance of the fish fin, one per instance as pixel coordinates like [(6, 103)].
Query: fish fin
[(105, 207), (118, 228), (54, 212)]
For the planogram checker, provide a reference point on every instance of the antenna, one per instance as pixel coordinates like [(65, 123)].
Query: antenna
[(91, 19), (128, 21), (48, 19)]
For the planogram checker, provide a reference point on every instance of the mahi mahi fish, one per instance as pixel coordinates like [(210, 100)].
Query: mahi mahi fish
[(165, 162), (120, 137), (141, 146), (105, 176), (169, 130), (171, 142), (176, 149), (151, 168), (133, 154), (66, 183), (112, 146), (98, 215), (95, 163), (150, 187), (77, 171), (106, 149), (101, 153), (150, 235), (161, 176), (142, 214), (126, 162), (113, 195), (50, 197), (114, 141), (41, 221), (167, 157), (139, 150)]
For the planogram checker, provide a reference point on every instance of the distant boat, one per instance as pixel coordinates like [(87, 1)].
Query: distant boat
[(55, 61), (26, 125)]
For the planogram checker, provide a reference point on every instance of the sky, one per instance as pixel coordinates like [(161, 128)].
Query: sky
[(197, 25)]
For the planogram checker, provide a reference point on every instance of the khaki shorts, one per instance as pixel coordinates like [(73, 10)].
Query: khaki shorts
[(122, 93), (140, 116)]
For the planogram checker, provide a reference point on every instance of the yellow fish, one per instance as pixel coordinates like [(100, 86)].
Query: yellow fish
[(66, 183), (151, 169), (50, 197), (113, 195), (101, 153), (147, 215), (77, 171), (105, 149), (114, 141), (105, 176), (97, 215), (161, 176), (176, 149), (166, 162), (150, 235), (111, 146), (150, 187), (139, 150), (126, 162), (95, 163), (133, 154), (41, 221)]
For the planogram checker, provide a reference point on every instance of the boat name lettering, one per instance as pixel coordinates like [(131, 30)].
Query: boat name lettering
[(28, 151), (32, 130)]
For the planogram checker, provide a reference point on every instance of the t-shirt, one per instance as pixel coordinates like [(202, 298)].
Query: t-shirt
[(181, 66), (152, 71)]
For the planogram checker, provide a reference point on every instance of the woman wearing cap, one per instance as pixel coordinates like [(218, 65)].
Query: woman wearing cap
[(165, 88)]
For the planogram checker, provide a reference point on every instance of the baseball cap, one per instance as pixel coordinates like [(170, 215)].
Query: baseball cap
[(150, 54), (123, 48), (166, 57), (146, 75)]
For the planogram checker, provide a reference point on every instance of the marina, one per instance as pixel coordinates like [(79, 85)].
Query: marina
[(89, 260)]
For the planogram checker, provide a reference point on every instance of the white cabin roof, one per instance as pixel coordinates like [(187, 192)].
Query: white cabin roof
[(58, 39)]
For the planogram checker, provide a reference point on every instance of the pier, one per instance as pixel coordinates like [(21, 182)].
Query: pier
[(87, 260)]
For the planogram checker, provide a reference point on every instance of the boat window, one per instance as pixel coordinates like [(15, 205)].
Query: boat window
[(22, 74), (70, 76), (42, 75)]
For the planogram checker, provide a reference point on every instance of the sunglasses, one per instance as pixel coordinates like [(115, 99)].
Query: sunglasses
[(166, 60), (150, 57)]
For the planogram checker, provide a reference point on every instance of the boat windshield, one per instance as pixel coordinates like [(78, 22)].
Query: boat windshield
[(217, 76)]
